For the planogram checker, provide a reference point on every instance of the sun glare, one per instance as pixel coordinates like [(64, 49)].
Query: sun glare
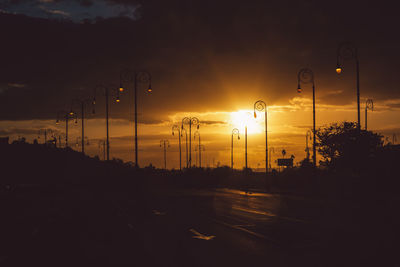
[(241, 118)]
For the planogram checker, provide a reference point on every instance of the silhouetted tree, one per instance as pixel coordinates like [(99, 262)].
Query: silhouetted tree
[(344, 146)]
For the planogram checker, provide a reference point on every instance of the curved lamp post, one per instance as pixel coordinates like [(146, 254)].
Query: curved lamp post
[(82, 103), (66, 116), (186, 142), (136, 77), (189, 121), (235, 131), (306, 75), (107, 92), (177, 128), (199, 149), (308, 137), (262, 106), (164, 143), (347, 51), (369, 104), (197, 133)]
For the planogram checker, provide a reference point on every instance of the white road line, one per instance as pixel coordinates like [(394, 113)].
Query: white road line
[(201, 236), (237, 227)]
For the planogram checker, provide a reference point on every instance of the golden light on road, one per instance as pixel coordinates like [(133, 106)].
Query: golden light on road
[(241, 118)]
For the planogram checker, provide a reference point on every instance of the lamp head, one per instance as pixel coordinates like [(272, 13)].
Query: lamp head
[(338, 69), (71, 113), (298, 88), (149, 90), (57, 122), (255, 114), (117, 100), (198, 126), (121, 89), (94, 101)]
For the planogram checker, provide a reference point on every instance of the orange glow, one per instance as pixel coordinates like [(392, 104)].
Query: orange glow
[(121, 89), (242, 118), (149, 90), (338, 70), (117, 100)]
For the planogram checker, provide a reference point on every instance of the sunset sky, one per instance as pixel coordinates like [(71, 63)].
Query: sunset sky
[(208, 59)]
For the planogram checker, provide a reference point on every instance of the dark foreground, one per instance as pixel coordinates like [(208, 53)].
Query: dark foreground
[(108, 219), (77, 227)]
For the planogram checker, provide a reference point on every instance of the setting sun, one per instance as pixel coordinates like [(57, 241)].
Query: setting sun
[(241, 118)]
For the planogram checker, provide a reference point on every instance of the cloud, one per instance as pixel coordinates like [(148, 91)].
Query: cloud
[(75, 10)]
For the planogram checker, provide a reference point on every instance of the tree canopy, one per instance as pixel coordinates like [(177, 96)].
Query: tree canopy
[(344, 145)]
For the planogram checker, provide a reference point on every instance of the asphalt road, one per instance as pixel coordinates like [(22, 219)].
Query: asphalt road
[(180, 228)]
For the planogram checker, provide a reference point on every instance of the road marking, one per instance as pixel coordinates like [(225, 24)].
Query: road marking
[(201, 236), (237, 227), (254, 211), (268, 214), (159, 213)]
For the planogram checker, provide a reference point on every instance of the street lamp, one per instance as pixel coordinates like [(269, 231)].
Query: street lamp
[(235, 131), (66, 116), (260, 106), (347, 51), (369, 104), (248, 115), (308, 137), (164, 143), (186, 142), (190, 121), (197, 133), (177, 128), (199, 149), (135, 77), (107, 92), (82, 102), (306, 75)]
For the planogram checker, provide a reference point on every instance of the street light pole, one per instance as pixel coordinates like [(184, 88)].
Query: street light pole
[(235, 131), (260, 106), (107, 127), (306, 75), (177, 128), (66, 116), (136, 76), (116, 93), (308, 136), (186, 142), (164, 143), (245, 147), (369, 104), (347, 51), (190, 121), (197, 133)]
